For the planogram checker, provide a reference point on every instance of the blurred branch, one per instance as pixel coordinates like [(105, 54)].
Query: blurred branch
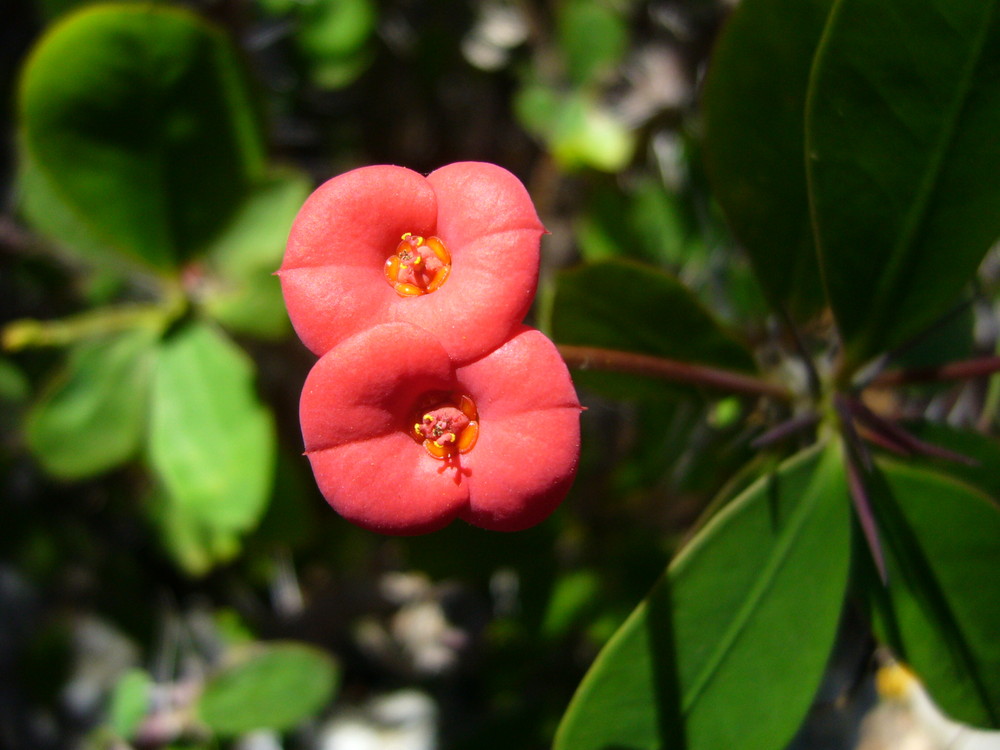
[(964, 370), (593, 358), (21, 334)]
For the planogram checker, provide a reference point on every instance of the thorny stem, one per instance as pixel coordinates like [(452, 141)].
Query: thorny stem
[(588, 357), (899, 440), (963, 370), (786, 429), (857, 462)]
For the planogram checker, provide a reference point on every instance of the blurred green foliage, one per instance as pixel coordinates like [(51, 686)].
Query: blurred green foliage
[(169, 575)]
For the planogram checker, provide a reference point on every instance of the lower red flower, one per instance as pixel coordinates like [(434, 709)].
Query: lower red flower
[(403, 442)]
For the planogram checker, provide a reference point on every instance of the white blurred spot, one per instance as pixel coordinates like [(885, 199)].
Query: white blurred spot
[(404, 720)]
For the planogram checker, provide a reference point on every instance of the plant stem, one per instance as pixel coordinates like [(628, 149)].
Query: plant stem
[(21, 334), (964, 370), (594, 358)]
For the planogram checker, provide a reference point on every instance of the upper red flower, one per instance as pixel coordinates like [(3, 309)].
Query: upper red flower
[(455, 253), (403, 441)]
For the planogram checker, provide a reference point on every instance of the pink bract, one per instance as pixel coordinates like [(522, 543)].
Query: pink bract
[(358, 408), (333, 277)]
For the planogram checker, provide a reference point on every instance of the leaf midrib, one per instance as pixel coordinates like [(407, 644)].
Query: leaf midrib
[(889, 280), (790, 535)]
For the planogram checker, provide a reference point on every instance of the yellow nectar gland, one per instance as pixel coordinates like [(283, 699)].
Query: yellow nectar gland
[(419, 266), (447, 425)]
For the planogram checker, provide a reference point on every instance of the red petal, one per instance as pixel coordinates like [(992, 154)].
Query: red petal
[(359, 217), (521, 468), (344, 233), (390, 485), (529, 437), (526, 373), (367, 386), (356, 407)]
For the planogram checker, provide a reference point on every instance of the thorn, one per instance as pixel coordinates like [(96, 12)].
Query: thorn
[(893, 433), (786, 429), (862, 506), (843, 407)]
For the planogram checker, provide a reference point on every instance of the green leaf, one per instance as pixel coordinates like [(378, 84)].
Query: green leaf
[(52, 217), (92, 416), (903, 169), (731, 644), (586, 134), (152, 142), (592, 37), (647, 223), (984, 451), (276, 686), (940, 611), (332, 36), (630, 307), (130, 700), (193, 544), (241, 291), (755, 95), (332, 28), (211, 440), (574, 596)]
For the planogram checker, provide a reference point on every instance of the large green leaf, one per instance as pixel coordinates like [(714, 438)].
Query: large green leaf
[(983, 452), (138, 118), (730, 646), (93, 415), (211, 440), (903, 169), (942, 605), (635, 308), (272, 687), (755, 98)]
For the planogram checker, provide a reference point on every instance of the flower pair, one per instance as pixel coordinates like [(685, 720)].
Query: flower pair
[(431, 400)]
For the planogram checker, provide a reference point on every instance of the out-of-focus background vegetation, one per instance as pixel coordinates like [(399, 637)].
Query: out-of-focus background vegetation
[(169, 575), (153, 557)]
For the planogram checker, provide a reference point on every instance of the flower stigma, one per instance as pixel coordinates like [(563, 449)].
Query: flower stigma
[(419, 265), (445, 425)]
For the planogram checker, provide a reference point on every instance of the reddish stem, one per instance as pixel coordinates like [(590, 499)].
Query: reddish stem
[(964, 370), (588, 357)]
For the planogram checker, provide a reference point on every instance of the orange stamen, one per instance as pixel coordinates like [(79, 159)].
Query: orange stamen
[(448, 427), (419, 266)]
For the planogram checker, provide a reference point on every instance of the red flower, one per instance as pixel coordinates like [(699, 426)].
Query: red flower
[(455, 253), (403, 442)]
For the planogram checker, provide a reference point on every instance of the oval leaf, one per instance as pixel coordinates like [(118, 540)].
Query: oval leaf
[(755, 96), (151, 142), (942, 605), (729, 615), (904, 173), (211, 440), (275, 687), (194, 545), (93, 415)]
